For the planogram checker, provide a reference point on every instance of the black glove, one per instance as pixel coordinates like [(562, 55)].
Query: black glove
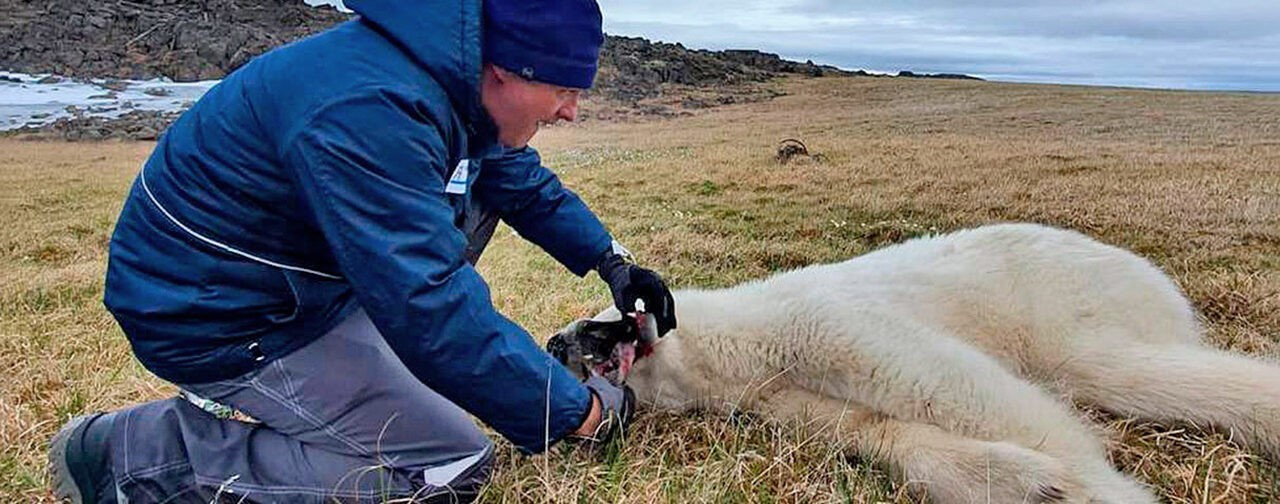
[(617, 408), (629, 282)]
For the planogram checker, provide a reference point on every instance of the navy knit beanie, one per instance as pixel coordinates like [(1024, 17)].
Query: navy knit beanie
[(552, 41)]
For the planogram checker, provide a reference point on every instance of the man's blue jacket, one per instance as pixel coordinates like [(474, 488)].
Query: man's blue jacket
[(331, 174)]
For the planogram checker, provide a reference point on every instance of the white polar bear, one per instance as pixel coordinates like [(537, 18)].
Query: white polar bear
[(949, 358)]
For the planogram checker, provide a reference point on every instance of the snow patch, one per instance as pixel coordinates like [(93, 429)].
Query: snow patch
[(38, 100)]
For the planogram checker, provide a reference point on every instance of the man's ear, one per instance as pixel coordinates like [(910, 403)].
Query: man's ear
[(497, 73)]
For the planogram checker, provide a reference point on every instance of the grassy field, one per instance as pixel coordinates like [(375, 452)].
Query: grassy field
[(1190, 180)]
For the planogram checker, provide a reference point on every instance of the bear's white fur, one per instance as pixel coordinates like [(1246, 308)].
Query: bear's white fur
[(949, 358)]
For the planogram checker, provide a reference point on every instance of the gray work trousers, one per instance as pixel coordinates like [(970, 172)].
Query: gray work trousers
[(342, 420)]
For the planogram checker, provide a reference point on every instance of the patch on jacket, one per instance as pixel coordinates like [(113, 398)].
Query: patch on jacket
[(458, 182)]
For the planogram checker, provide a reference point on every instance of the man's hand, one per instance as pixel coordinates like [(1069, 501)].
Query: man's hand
[(630, 283), (612, 409)]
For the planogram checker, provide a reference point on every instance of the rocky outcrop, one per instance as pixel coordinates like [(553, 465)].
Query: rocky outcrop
[(910, 74), (188, 40), (633, 68), (184, 40), (142, 125)]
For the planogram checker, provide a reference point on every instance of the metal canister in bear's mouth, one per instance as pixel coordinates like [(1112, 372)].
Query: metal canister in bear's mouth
[(625, 356), (625, 351), (646, 333)]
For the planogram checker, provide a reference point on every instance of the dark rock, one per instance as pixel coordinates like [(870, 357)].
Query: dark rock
[(74, 58), (99, 22), (694, 103), (145, 133), (133, 125), (115, 85)]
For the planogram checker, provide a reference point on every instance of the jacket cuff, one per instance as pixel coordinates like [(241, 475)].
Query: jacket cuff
[(615, 253)]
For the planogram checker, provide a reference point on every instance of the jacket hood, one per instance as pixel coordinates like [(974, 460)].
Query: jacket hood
[(443, 37)]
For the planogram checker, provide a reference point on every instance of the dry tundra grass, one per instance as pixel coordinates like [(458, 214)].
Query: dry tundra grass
[(1191, 180)]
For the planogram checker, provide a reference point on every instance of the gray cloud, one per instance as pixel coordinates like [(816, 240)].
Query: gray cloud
[(1228, 44), (1140, 19)]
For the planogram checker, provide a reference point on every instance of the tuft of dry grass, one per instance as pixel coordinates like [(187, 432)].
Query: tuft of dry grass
[(1190, 180)]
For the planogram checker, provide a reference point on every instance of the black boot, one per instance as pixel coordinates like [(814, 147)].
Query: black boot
[(79, 462)]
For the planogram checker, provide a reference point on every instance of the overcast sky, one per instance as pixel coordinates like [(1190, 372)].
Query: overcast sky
[(1217, 44)]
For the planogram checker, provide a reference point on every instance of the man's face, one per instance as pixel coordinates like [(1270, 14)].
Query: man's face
[(518, 105)]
